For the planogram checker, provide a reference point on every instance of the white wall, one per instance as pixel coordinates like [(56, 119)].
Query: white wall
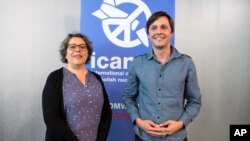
[(30, 33), (215, 33)]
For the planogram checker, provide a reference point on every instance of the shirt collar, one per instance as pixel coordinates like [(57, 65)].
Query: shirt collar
[(174, 54)]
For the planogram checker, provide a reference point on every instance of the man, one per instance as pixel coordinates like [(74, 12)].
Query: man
[(162, 95)]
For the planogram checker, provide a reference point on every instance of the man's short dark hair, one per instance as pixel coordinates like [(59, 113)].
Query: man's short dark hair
[(156, 16)]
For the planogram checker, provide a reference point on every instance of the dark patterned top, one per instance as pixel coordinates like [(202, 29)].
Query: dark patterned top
[(83, 105)]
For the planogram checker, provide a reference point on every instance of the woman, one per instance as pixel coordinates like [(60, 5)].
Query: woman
[(75, 102)]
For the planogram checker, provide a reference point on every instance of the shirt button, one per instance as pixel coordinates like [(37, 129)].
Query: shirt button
[(159, 103), (159, 89), (158, 117)]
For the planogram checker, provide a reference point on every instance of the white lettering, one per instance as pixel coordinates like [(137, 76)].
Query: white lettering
[(115, 62), (115, 73), (126, 61), (240, 132), (109, 79), (99, 62), (117, 106), (243, 131), (122, 80)]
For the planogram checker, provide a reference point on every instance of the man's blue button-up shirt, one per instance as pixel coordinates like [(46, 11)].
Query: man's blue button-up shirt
[(162, 92)]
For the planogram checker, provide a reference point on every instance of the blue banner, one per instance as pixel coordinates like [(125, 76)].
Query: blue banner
[(117, 29)]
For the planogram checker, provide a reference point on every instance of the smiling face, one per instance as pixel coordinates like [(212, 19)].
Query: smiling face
[(77, 53), (160, 33)]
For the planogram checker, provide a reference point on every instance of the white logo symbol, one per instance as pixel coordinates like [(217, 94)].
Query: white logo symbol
[(111, 15)]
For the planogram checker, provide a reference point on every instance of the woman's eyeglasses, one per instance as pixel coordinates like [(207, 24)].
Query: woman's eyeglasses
[(73, 47)]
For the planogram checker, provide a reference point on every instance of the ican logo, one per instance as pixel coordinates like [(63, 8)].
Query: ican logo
[(239, 132), (122, 27)]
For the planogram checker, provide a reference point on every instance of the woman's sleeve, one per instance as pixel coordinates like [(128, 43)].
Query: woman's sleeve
[(52, 106)]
